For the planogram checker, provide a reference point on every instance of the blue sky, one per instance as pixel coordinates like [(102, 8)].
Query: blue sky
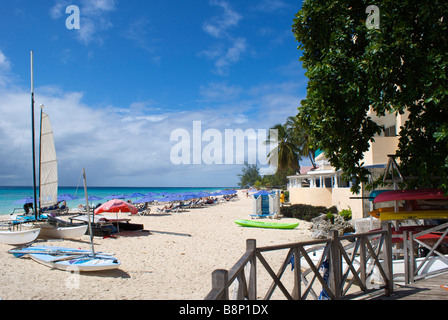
[(135, 71)]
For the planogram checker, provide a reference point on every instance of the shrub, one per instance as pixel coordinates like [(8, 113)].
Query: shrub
[(330, 216), (306, 212), (346, 214)]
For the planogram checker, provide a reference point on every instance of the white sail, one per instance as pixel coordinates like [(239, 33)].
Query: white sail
[(48, 165)]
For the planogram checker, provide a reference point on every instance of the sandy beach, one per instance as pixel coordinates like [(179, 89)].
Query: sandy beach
[(162, 264)]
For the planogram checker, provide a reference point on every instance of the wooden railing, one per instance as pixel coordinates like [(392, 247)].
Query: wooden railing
[(337, 268), (417, 268)]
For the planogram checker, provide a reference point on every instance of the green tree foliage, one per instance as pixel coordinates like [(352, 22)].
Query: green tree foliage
[(352, 68), (288, 150), (249, 176)]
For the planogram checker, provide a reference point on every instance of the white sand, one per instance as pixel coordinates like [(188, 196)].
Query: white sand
[(153, 265)]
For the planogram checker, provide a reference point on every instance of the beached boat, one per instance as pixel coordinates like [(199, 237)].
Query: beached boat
[(21, 237), (266, 224), (68, 259), (53, 232)]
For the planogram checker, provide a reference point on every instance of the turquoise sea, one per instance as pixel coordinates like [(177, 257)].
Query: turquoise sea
[(9, 195)]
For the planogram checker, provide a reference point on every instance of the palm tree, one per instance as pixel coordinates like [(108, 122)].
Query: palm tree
[(302, 138), (288, 150)]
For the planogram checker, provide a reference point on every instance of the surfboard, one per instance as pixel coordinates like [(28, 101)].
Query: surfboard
[(266, 224), (416, 194)]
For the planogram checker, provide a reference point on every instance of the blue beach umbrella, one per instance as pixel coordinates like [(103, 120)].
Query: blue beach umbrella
[(136, 195), (25, 200), (168, 199), (262, 193), (117, 196), (203, 194), (146, 199), (186, 197), (94, 198), (154, 194), (227, 192), (66, 197)]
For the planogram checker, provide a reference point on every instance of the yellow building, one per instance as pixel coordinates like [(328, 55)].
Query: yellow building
[(325, 187)]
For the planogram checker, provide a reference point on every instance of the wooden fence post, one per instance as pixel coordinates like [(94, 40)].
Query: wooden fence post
[(406, 256), (297, 290), (219, 282), (411, 257), (388, 265), (251, 245), (335, 265)]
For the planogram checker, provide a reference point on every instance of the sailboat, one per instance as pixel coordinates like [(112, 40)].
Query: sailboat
[(14, 233), (12, 236), (69, 259), (48, 186), (17, 231)]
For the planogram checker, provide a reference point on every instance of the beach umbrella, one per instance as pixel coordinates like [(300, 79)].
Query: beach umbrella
[(184, 197), (169, 199), (66, 197), (146, 199), (154, 194), (94, 198), (117, 196), (25, 200), (112, 196), (227, 192), (262, 193), (136, 195), (116, 205)]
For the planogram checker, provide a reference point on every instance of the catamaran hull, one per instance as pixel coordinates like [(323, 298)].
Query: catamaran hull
[(16, 238), (51, 232), (76, 264), (68, 259)]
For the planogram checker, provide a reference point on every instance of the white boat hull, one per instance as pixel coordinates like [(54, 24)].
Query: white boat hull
[(68, 259), (50, 232), (19, 237)]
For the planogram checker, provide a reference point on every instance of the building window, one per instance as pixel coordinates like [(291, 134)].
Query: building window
[(390, 132)]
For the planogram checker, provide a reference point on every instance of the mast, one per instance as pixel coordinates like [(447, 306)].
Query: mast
[(88, 211), (36, 211), (40, 157)]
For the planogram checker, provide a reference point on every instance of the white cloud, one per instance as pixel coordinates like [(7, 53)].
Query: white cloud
[(218, 26), (219, 91), (129, 147), (5, 64), (117, 148), (271, 5), (230, 48), (5, 68), (232, 55)]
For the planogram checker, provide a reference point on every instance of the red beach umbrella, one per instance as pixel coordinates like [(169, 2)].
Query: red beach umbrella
[(116, 205)]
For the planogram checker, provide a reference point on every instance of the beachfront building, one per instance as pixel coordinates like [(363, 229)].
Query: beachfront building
[(324, 186)]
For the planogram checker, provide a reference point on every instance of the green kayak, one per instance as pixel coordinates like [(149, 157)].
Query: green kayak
[(266, 224)]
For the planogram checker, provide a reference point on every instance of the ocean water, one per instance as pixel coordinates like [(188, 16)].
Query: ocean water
[(9, 195)]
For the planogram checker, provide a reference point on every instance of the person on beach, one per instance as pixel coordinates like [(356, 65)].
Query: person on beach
[(282, 198), (27, 207)]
